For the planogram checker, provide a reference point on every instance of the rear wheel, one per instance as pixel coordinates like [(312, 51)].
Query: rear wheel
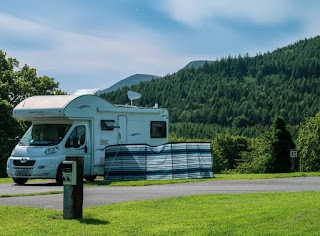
[(20, 181), (59, 176), (90, 178)]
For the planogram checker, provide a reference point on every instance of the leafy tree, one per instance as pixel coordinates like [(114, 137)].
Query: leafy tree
[(270, 152), (281, 144), (9, 129), (308, 144), (226, 151), (17, 83), (257, 159)]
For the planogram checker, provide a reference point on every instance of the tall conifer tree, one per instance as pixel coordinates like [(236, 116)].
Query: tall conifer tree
[(281, 144)]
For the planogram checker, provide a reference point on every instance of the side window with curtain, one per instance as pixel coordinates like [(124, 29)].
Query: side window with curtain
[(158, 129), (109, 124), (77, 138)]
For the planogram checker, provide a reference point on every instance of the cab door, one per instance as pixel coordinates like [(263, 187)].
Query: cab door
[(78, 144)]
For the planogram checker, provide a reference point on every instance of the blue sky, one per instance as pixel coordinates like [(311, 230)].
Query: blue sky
[(94, 44)]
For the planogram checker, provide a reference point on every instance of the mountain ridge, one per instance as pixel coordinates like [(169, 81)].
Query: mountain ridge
[(138, 78), (129, 81), (196, 64)]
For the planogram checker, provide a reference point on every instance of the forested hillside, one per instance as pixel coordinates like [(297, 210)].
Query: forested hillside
[(240, 94)]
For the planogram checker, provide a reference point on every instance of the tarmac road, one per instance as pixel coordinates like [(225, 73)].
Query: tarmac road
[(101, 195)]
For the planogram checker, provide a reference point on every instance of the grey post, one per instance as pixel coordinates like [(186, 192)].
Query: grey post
[(73, 194)]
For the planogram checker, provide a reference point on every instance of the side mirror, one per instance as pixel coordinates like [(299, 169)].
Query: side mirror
[(68, 143), (75, 142), (16, 140)]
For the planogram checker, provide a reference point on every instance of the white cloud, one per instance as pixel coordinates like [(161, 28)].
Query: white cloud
[(86, 91), (15, 25), (129, 51), (196, 12), (298, 19), (125, 52)]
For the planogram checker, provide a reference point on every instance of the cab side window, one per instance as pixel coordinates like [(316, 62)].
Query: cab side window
[(77, 138)]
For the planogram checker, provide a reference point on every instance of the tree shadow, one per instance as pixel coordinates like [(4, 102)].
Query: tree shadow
[(92, 221), (88, 220)]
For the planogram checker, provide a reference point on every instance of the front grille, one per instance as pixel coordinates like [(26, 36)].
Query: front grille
[(27, 163)]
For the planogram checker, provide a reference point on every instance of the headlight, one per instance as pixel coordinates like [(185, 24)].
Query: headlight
[(51, 150)]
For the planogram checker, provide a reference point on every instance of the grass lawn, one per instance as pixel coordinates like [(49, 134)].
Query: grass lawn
[(30, 194), (218, 214)]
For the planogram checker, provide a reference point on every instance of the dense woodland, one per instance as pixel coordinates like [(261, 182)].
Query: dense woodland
[(253, 110), (238, 95)]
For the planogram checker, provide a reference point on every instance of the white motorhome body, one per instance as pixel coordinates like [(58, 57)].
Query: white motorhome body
[(68, 125)]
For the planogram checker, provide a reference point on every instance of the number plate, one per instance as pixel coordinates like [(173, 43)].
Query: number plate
[(23, 172)]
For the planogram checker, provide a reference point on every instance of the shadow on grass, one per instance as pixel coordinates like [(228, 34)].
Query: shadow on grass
[(88, 220), (92, 221)]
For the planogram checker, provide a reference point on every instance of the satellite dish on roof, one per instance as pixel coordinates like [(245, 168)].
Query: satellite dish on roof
[(132, 95)]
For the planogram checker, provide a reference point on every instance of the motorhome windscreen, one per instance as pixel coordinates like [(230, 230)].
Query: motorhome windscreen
[(44, 134)]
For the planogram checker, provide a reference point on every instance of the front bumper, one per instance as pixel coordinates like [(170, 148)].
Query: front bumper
[(24, 167)]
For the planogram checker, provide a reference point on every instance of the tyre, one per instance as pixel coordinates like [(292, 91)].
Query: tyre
[(20, 181), (59, 176), (90, 178)]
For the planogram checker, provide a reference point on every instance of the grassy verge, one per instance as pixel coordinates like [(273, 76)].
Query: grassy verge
[(6, 180), (265, 176), (30, 194), (236, 214), (10, 181)]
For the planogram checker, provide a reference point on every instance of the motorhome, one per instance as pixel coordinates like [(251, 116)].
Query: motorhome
[(70, 125)]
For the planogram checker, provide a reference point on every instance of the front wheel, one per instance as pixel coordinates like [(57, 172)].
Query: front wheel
[(20, 181), (59, 179)]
